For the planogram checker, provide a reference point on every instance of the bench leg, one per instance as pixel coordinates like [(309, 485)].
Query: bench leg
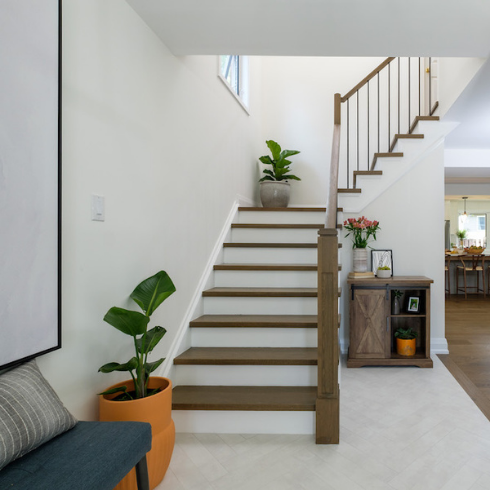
[(142, 480)]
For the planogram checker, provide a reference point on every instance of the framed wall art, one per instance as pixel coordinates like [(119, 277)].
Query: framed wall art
[(30, 179)]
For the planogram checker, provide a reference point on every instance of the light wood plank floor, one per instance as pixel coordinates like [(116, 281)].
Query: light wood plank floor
[(468, 336)]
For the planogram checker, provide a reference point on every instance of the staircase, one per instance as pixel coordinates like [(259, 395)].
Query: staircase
[(254, 351)]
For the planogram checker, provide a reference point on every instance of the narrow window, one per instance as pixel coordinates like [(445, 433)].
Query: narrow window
[(233, 71)]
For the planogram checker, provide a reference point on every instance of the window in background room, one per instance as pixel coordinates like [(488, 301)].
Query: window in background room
[(233, 71), (475, 226)]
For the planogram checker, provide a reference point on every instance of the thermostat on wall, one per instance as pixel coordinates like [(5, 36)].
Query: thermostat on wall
[(98, 208)]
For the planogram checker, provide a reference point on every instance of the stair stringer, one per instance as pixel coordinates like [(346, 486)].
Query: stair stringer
[(394, 168)]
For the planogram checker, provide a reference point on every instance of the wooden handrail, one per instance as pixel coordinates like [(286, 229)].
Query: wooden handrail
[(331, 217), (363, 82)]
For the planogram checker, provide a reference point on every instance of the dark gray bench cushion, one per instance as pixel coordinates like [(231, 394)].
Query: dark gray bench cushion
[(91, 456)]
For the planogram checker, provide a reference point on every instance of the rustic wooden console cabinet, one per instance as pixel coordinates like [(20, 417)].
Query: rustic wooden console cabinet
[(372, 324)]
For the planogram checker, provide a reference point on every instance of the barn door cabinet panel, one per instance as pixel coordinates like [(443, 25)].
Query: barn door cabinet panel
[(373, 326)]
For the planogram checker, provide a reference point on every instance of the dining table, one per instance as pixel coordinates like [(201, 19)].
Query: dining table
[(465, 257)]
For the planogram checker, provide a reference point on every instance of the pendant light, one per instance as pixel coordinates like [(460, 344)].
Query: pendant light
[(464, 215)]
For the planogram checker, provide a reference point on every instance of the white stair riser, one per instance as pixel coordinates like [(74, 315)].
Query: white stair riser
[(274, 235), (245, 375), (266, 279), (254, 337), (238, 422), (244, 255), (282, 217), (259, 306)]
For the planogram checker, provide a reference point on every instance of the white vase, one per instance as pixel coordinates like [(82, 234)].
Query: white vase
[(359, 256)]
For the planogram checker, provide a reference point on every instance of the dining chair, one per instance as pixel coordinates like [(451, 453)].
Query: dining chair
[(447, 279), (476, 267)]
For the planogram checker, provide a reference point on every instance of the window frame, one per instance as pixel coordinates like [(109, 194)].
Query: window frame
[(242, 96)]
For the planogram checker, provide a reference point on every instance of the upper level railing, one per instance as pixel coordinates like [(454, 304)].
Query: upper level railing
[(383, 105)]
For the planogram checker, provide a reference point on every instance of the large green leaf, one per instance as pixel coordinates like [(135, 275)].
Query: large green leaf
[(129, 322), (283, 163), (266, 159), (267, 177), (150, 293), (115, 366), (292, 177), (152, 338), (114, 390), (275, 149), (288, 153), (151, 366)]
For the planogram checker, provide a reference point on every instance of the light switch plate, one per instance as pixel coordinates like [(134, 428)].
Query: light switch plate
[(98, 208)]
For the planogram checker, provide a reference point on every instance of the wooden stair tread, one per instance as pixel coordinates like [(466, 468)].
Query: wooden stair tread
[(263, 398), (300, 210), (349, 191), (269, 245), (239, 356), (404, 136), (422, 118), (265, 267), (365, 172), (278, 226), (262, 292), (384, 155), (255, 321)]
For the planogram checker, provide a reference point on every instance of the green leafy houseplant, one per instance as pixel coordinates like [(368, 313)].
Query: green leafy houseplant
[(461, 234), (148, 295), (384, 268), (406, 334), (279, 162), (397, 293)]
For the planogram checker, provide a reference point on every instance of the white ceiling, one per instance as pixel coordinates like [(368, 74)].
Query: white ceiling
[(320, 27)]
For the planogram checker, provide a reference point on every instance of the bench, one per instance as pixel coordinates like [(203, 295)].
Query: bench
[(91, 456), (43, 447)]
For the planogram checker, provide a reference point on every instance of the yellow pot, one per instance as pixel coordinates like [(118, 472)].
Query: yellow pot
[(406, 347), (155, 409)]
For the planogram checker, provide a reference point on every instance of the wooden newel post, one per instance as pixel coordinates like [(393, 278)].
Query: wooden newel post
[(327, 403), (337, 108)]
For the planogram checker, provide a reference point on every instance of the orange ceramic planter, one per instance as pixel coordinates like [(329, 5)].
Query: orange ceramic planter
[(155, 409), (406, 347)]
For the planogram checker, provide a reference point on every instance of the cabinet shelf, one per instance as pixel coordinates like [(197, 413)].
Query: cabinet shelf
[(373, 326)]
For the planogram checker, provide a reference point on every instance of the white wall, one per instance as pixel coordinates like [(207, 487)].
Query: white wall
[(411, 217), (170, 149), (298, 96), (453, 77)]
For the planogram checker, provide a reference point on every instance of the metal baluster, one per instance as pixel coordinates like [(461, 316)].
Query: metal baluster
[(409, 103), (420, 59), (357, 122), (389, 107), (368, 125), (430, 86), (398, 95), (348, 145), (378, 111)]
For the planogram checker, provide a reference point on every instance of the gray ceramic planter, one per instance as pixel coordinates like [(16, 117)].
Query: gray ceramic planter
[(274, 194)]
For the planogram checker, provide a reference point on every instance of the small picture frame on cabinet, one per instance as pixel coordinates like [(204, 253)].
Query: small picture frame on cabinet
[(413, 304), (381, 258)]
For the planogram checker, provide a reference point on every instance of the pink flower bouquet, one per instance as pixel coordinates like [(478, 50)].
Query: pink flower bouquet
[(361, 230)]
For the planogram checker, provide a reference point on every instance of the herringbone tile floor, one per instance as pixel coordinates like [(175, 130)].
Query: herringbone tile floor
[(401, 429)]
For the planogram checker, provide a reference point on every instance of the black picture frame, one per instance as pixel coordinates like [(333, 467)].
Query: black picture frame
[(380, 258), (413, 305), (35, 51)]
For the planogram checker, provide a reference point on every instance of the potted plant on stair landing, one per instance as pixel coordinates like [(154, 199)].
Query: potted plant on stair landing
[(143, 398), (274, 186), (361, 230)]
